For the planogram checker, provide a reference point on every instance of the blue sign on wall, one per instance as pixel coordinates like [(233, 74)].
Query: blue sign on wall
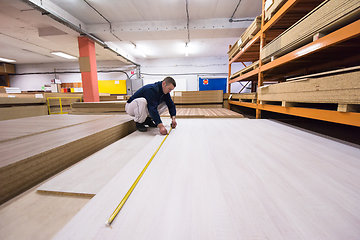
[(206, 84)]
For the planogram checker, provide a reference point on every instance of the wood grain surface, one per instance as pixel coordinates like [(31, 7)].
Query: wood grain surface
[(90, 175), (30, 160), (231, 179), (16, 128)]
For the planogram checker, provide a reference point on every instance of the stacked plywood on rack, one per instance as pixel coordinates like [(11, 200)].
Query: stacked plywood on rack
[(29, 157), (107, 107), (205, 99), (204, 113), (271, 7), (227, 188), (252, 66), (341, 88), (14, 106), (249, 33), (244, 97), (327, 17)]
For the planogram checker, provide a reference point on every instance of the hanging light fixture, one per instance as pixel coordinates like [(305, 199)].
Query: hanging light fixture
[(186, 49)]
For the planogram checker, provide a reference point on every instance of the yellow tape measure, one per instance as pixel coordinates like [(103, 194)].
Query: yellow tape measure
[(121, 204)]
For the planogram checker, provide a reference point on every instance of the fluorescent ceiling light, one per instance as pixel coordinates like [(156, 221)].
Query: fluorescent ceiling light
[(64, 55), (6, 60)]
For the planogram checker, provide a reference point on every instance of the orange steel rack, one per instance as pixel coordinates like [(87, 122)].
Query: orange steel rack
[(340, 48)]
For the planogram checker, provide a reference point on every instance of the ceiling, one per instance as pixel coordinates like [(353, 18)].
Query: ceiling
[(158, 28)]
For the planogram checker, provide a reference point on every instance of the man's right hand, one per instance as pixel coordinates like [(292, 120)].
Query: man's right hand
[(162, 129)]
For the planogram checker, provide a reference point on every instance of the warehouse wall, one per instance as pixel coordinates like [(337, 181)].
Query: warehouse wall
[(185, 70)]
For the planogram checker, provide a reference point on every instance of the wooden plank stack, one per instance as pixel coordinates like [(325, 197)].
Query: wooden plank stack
[(204, 113), (342, 88), (14, 106), (106, 107), (207, 99), (30, 159), (327, 17), (247, 69), (271, 7), (248, 34)]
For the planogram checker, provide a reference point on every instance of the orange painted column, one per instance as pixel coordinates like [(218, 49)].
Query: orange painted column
[(88, 69)]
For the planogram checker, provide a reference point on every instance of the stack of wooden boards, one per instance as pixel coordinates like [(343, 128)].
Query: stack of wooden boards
[(114, 98), (341, 87), (252, 66), (271, 7), (33, 149), (327, 17), (221, 185), (243, 97), (248, 34), (204, 113), (106, 107), (198, 99), (14, 106)]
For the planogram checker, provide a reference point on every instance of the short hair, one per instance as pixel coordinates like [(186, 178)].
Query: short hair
[(169, 80)]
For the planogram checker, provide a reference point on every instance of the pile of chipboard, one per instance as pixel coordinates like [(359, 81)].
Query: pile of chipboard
[(114, 98), (108, 107), (247, 69), (243, 97), (271, 7), (29, 157), (327, 17), (204, 99), (340, 88), (14, 106), (248, 34), (204, 113)]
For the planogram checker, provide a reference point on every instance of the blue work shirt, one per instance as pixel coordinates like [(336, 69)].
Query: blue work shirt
[(154, 95)]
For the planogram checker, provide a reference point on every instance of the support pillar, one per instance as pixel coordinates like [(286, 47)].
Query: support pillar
[(88, 69)]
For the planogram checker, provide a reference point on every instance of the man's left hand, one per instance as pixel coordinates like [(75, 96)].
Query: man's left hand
[(173, 123)]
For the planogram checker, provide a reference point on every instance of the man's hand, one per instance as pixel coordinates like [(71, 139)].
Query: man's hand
[(162, 129), (173, 123)]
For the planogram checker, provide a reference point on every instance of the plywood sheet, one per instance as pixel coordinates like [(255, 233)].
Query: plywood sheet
[(90, 175), (15, 112), (204, 113), (30, 160), (17, 128), (337, 88), (221, 185)]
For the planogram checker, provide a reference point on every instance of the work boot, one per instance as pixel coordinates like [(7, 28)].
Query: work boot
[(149, 122), (141, 127)]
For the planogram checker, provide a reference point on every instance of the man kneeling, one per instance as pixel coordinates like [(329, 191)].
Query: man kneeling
[(149, 102)]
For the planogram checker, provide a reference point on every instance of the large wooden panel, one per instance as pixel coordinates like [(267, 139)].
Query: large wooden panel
[(89, 176), (232, 179), (27, 161), (17, 128)]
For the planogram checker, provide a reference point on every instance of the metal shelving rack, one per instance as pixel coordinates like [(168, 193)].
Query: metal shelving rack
[(340, 48)]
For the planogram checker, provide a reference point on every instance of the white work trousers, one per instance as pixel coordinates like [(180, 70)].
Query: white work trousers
[(138, 109)]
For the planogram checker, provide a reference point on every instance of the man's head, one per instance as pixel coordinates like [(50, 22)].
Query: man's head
[(168, 84)]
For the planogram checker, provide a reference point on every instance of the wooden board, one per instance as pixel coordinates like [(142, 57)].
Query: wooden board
[(17, 128), (211, 180), (204, 113), (90, 175), (15, 112), (37, 216), (338, 88), (27, 161)]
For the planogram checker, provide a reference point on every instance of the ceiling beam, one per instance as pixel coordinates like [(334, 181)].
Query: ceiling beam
[(179, 25)]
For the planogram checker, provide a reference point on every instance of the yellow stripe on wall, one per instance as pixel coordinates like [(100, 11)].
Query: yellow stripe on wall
[(112, 86)]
